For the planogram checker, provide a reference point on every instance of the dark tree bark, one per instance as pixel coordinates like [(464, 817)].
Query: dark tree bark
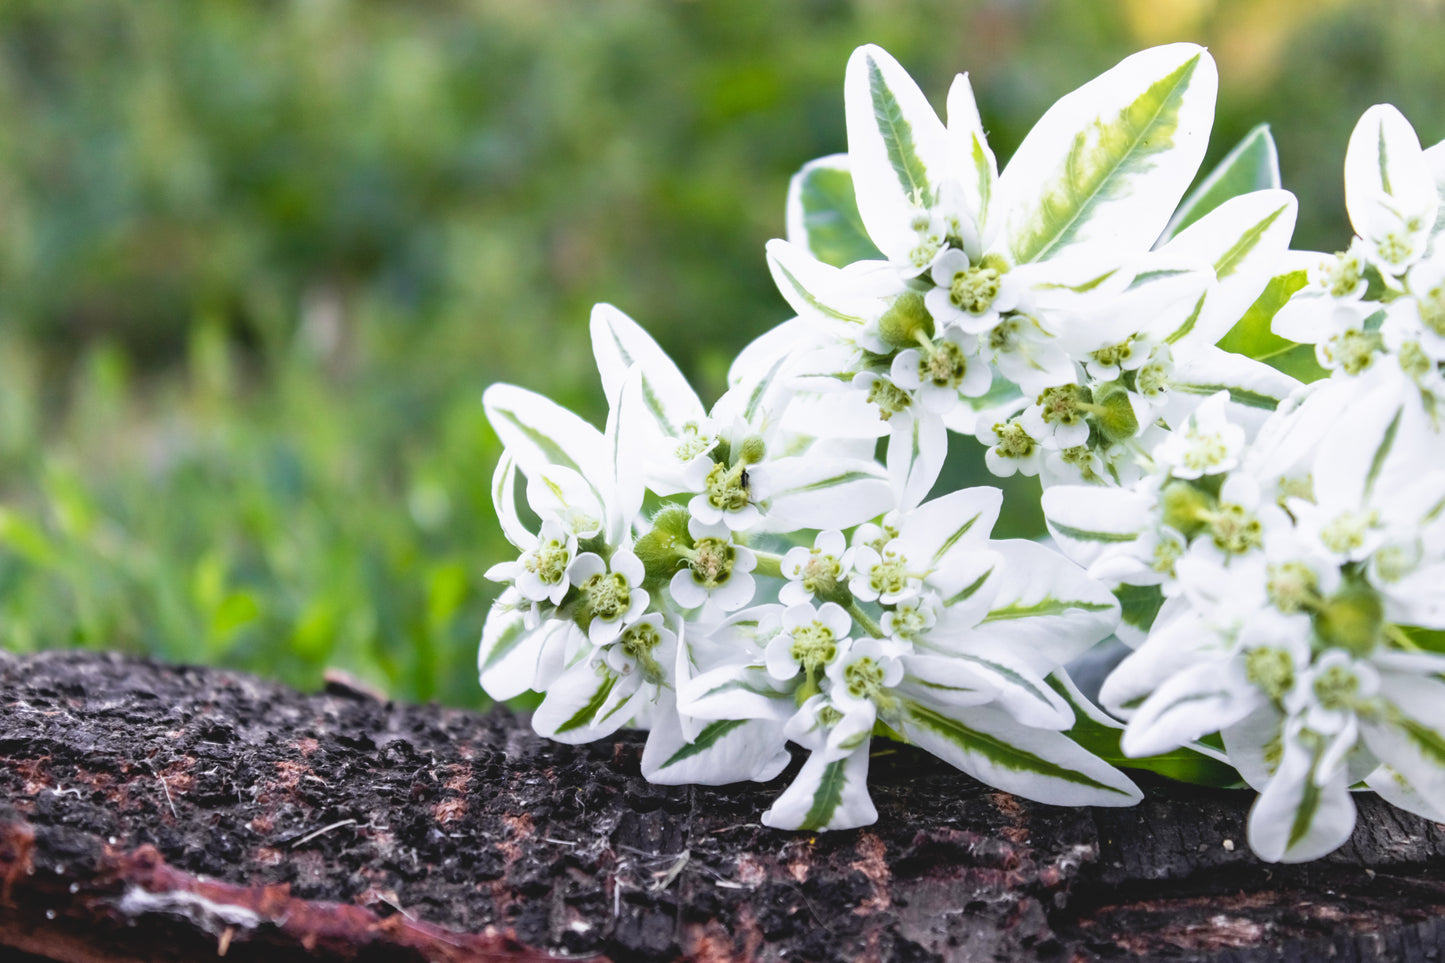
[(151, 812)]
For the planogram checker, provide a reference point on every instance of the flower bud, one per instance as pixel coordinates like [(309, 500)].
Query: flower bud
[(1351, 619), (908, 318), (1185, 507), (1114, 415)]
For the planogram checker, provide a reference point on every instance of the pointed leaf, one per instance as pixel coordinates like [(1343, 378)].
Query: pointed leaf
[(1038, 764), (618, 343), (823, 213), (539, 432), (1252, 165), (1106, 165), (724, 751), (897, 147), (806, 491), (826, 794)]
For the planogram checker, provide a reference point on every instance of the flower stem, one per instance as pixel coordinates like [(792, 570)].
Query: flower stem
[(769, 563), (864, 619)]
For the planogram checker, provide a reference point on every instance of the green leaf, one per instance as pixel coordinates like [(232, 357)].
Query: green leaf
[(1251, 335), (1431, 640), (1100, 734), (823, 215), (1252, 165), (828, 797), (1139, 604), (1101, 162)]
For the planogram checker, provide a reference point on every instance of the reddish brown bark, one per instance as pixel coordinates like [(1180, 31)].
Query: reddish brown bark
[(156, 813)]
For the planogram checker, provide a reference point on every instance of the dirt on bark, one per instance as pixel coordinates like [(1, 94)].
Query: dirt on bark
[(152, 812)]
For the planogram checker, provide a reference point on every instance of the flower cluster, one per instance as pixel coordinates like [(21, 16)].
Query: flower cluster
[(743, 576)]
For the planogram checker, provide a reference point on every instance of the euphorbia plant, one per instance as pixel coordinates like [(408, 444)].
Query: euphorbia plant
[(1273, 550)]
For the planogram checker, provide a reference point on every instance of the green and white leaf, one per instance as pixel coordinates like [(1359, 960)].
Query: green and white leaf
[(1389, 186), (724, 751), (1096, 731), (1039, 764), (1087, 521), (1189, 705), (957, 679), (1243, 240), (1045, 609), (809, 492), (815, 289), (897, 148), (585, 703), (510, 653), (823, 216), (828, 793), (537, 432), (1255, 389), (618, 343), (1251, 165), (972, 162), (1303, 813), (1107, 164)]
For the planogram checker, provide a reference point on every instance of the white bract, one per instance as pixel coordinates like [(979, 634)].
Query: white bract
[(1272, 551)]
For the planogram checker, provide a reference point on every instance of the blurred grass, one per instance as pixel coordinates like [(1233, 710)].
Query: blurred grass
[(258, 261)]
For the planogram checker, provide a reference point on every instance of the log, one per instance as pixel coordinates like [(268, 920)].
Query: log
[(155, 812)]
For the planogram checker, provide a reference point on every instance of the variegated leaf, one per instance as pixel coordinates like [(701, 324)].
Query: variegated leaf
[(897, 147), (828, 793), (619, 343), (538, 432), (1252, 165), (1107, 164), (823, 216), (1038, 764)]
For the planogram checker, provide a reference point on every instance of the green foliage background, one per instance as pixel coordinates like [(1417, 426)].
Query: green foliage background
[(259, 260)]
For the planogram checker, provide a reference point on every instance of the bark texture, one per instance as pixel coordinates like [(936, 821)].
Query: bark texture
[(153, 812)]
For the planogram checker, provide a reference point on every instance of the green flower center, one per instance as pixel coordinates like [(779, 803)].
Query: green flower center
[(608, 595), (637, 642), (1013, 441), (820, 573), (1114, 355), (1151, 380), (1205, 451), (973, 289), (814, 646), (1292, 586), (1337, 688), (1270, 670), (1063, 405), (1341, 274), (713, 563), (944, 365), (889, 398), (727, 489), (692, 443), (1353, 350), (863, 678), (889, 575), (1432, 309), (549, 561), (1414, 361), (1235, 529), (1346, 533)]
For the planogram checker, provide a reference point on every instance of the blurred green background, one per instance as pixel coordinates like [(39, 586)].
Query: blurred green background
[(258, 261)]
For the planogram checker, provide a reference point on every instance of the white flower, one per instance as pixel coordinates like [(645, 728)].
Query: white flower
[(610, 593), (718, 570), (816, 572), (1207, 444), (810, 640)]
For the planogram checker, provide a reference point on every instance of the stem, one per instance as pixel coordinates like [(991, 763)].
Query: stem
[(1397, 635), (864, 619), (769, 563)]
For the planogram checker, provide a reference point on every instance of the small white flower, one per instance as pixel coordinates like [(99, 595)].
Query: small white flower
[(967, 296), (612, 595), (810, 640), (719, 570), (1207, 444), (815, 572)]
